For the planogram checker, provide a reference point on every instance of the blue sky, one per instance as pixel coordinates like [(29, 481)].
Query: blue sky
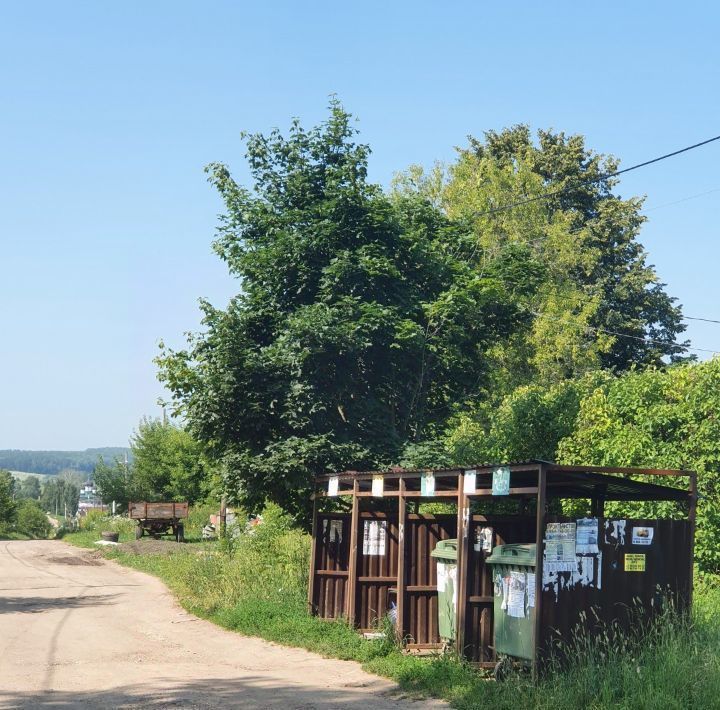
[(108, 113)]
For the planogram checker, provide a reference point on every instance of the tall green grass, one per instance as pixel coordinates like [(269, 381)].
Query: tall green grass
[(256, 584)]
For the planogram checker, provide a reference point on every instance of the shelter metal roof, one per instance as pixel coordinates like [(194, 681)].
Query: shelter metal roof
[(609, 483)]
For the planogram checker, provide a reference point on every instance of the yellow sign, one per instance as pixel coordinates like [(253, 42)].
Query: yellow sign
[(634, 563)]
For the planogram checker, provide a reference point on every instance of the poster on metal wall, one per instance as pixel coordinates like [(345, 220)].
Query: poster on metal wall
[(586, 537), (374, 535), (560, 547), (516, 595)]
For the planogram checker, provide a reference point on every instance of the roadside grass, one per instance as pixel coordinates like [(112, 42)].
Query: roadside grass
[(257, 585), (13, 536)]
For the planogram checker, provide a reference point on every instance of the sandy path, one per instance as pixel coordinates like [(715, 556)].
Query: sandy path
[(78, 632)]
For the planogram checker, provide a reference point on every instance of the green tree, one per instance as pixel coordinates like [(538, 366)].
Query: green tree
[(31, 520), (168, 464), (8, 507), (114, 483), (590, 279), (529, 423), (60, 497), (361, 324), (30, 488)]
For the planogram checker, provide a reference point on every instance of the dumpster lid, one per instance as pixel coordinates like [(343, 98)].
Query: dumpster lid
[(446, 549), (518, 553)]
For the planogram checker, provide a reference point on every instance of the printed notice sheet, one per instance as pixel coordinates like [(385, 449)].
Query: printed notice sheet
[(586, 537), (530, 590), (374, 534), (642, 536), (516, 595), (560, 547)]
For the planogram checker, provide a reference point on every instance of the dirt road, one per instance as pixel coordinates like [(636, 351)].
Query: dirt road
[(80, 632)]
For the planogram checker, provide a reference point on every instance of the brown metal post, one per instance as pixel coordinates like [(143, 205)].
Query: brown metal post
[(313, 556), (692, 513), (352, 567), (402, 516), (539, 555), (223, 516), (462, 562)]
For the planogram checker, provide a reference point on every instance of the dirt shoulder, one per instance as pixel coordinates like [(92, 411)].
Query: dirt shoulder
[(78, 631)]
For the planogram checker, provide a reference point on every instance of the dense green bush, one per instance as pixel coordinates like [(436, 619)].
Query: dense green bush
[(662, 419), (31, 520)]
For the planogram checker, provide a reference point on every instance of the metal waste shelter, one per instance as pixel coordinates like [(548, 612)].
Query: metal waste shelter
[(371, 548)]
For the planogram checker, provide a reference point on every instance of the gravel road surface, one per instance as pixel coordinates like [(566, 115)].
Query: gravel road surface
[(81, 632)]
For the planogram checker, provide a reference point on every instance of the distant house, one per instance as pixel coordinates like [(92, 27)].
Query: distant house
[(89, 499)]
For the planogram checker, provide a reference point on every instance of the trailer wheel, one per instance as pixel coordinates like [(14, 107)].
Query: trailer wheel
[(139, 532), (180, 534)]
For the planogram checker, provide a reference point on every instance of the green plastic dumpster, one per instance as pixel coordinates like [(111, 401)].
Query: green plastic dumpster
[(513, 572), (445, 553)]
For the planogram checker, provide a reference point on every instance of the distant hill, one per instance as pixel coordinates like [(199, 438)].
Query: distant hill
[(52, 462)]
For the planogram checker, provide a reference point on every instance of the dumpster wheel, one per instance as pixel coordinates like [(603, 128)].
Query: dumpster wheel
[(503, 668)]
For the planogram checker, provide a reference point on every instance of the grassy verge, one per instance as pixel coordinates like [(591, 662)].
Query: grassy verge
[(257, 586), (13, 536)]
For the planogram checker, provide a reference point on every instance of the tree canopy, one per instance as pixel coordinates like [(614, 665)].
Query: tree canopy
[(372, 328), (166, 464), (360, 325), (574, 262)]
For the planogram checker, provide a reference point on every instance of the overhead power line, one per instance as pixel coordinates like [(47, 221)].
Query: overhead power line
[(582, 300), (705, 320), (605, 176), (626, 335), (684, 199)]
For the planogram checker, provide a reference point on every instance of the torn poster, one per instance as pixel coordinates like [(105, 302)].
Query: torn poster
[(483, 540), (427, 484), (332, 531), (498, 585), (374, 534), (642, 536), (560, 547), (469, 481), (615, 532), (530, 590), (378, 483), (501, 481), (516, 596), (505, 592), (586, 537), (333, 484)]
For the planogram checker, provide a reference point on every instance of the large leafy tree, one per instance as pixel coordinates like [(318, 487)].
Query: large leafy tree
[(594, 301), (361, 324), (168, 464)]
